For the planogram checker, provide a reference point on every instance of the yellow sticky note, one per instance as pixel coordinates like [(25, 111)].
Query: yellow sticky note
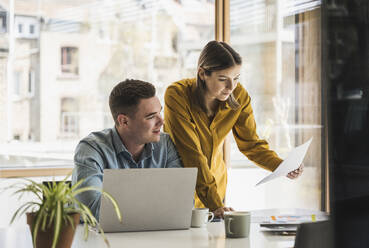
[(313, 217)]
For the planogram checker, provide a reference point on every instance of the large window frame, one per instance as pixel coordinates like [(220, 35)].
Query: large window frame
[(222, 33)]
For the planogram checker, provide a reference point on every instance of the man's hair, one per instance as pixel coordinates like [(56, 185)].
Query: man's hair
[(126, 95)]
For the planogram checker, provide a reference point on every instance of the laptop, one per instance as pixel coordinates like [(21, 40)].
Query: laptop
[(149, 199)]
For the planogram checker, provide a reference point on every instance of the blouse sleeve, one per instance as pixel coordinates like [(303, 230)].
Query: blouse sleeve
[(182, 129), (248, 142)]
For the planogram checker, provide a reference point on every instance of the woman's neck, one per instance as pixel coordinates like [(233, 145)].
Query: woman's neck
[(211, 105)]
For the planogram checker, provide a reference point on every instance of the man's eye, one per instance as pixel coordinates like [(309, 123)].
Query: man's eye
[(236, 79), (222, 79), (150, 117)]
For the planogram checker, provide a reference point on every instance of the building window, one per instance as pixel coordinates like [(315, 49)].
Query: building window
[(69, 60), (31, 29), (20, 28), (31, 83), (69, 117), (3, 23)]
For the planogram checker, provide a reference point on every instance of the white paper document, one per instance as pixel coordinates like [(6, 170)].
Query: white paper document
[(292, 162)]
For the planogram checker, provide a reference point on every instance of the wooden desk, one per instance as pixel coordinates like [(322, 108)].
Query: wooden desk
[(212, 236)]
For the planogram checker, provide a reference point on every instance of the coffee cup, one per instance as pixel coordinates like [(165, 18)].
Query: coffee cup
[(200, 217), (237, 224)]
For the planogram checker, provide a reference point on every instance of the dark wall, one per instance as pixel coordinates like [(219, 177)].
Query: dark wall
[(346, 55)]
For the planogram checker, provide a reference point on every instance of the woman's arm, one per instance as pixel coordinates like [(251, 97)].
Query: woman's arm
[(248, 142)]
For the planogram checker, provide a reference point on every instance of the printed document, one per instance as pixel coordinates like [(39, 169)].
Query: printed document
[(292, 162)]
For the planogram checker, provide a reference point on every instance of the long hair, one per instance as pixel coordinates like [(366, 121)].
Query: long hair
[(215, 56)]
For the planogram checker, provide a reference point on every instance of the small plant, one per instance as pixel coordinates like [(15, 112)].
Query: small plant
[(56, 202)]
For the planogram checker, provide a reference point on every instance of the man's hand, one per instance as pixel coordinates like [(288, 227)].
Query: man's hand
[(296, 173), (219, 212)]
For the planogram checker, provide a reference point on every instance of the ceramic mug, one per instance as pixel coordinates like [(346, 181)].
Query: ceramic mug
[(237, 224), (200, 217)]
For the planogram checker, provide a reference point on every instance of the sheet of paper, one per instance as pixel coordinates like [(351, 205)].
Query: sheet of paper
[(292, 162)]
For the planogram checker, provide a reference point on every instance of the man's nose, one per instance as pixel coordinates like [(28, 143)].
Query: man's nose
[(160, 120)]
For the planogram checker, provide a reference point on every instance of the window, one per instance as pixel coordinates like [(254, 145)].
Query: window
[(3, 23), (69, 60), (31, 29), (280, 45), (20, 28), (69, 118), (31, 83)]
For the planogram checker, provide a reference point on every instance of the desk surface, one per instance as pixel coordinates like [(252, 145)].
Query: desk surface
[(211, 236)]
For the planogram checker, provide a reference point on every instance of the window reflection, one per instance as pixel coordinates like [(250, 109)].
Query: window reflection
[(65, 57), (279, 41)]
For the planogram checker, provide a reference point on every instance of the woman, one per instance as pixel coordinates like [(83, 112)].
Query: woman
[(199, 113)]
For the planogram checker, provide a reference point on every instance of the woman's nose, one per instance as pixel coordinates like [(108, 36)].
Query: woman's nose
[(231, 84)]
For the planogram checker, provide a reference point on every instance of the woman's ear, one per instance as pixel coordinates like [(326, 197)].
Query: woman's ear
[(201, 73)]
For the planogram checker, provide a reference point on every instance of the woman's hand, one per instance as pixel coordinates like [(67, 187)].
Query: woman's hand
[(296, 173), (219, 212)]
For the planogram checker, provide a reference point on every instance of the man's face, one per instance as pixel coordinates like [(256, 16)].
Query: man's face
[(144, 126)]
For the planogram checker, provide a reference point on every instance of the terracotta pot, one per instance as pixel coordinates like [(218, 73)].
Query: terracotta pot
[(45, 238)]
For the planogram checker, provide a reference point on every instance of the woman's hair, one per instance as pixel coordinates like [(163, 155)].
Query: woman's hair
[(215, 56)]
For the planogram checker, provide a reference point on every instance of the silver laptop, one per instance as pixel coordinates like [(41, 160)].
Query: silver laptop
[(149, 199)]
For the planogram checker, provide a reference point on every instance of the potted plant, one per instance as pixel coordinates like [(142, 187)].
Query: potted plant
[(57, 212)]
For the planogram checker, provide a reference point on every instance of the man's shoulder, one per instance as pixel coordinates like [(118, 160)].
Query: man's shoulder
[(98, 139)]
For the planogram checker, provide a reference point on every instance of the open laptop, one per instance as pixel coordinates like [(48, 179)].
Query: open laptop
[(149, 199)]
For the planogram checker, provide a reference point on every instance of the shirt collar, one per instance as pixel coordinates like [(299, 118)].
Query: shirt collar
[(120, 147)]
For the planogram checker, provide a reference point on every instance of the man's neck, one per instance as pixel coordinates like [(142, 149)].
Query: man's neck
[(129, 142)]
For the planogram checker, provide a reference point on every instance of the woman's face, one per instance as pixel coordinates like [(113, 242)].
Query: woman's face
[(220, 84)]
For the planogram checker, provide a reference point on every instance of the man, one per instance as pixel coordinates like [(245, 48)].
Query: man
[(134, 142)]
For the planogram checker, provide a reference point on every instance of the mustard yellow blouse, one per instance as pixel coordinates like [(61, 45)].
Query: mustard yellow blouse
[(199, 140)]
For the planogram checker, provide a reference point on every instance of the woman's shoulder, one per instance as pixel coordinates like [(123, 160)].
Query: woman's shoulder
[(241, 94), (182, 85), (181, 88)]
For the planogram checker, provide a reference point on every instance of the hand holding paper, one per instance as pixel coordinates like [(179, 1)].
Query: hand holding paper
[(292, 162)]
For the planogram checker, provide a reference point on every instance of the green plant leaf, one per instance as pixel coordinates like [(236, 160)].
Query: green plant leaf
[(57, 224)]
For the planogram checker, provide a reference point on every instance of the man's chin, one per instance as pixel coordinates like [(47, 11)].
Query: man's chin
[(156, 138)]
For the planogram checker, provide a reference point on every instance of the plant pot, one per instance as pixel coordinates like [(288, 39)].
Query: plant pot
[(45, 238)]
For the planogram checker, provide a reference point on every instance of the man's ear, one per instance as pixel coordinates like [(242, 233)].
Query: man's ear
[(122, 120)]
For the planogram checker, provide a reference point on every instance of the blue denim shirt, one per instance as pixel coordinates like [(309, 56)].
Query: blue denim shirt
[(105, 150)]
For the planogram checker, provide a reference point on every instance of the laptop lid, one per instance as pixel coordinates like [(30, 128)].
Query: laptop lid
[(149, 199)]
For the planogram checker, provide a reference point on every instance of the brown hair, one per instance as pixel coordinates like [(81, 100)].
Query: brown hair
[(126, 95), (215, 56)]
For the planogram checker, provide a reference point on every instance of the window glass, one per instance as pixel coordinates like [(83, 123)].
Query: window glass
[(78, 51), (279, 41)]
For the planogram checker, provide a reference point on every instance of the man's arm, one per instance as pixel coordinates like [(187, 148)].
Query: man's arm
[(174, 160), (88, 166)]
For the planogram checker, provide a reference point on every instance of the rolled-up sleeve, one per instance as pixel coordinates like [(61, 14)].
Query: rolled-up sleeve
[(248, 142)]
